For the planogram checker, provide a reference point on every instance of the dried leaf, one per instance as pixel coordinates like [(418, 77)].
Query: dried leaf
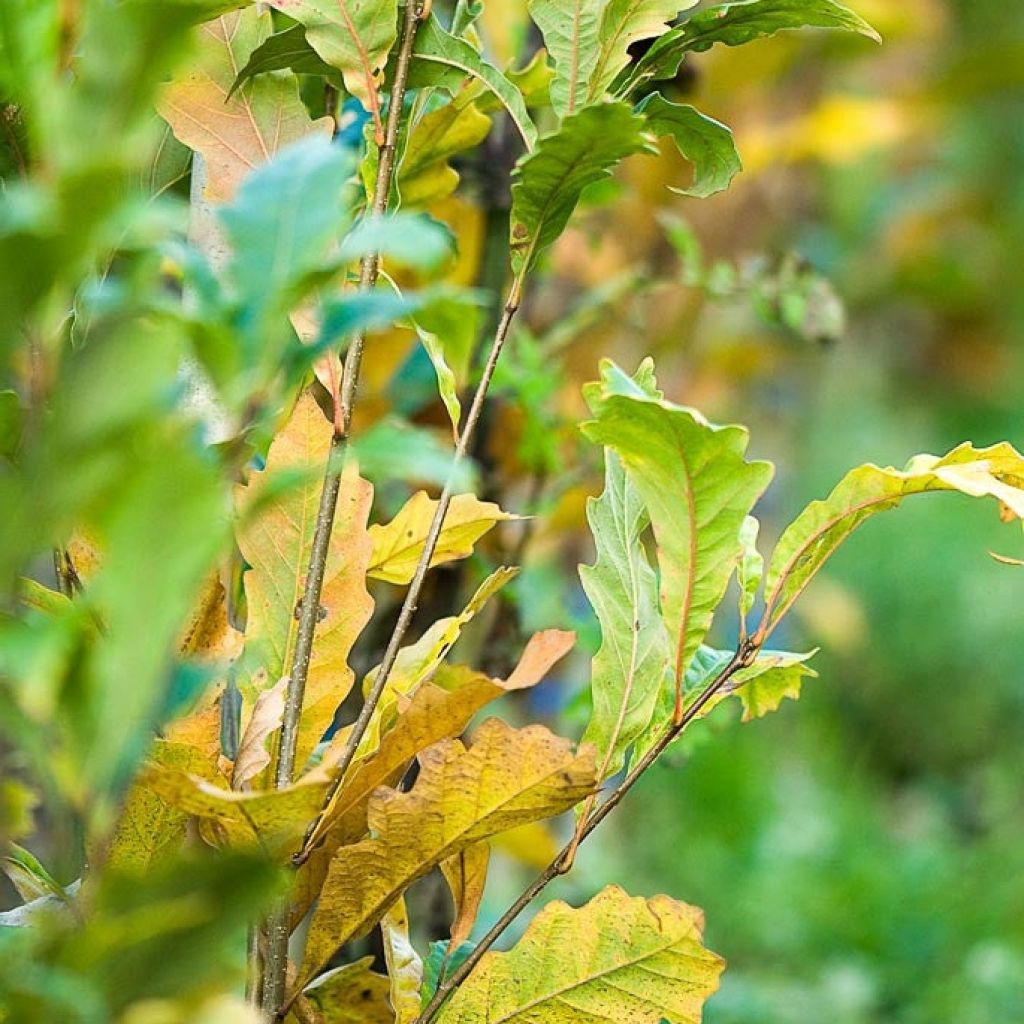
[(466, 875), (253, 756), (507, 777)]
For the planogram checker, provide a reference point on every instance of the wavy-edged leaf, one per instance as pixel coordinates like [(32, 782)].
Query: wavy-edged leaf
[(623, 23), (352, 994), (397, 545), (288, 49), (405, 967), (706, 143), (808, 542), (697, 487), (437, 710), (549, 181), (237, 134), (734, 24), (441, 59), (354, 36), (507, 777), (630, 664), (570, 31), (275, 538), (617, 958)]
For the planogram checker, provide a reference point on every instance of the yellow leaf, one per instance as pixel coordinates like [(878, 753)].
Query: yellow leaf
[(352, 994), (208, 633), (405, 968), (398, 545), (506, 778), (237, 134), (276, 538), (533, 845), (618, 958), (419, 661), (466, 875), (437, 710)]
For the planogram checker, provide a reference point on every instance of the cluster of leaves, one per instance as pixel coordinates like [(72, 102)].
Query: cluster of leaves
[(147, 697)]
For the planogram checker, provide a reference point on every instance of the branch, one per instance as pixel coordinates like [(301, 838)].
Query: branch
[(416, 585), (563, 861), (276, 964)]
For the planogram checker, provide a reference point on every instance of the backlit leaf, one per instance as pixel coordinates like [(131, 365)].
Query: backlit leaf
[(809, 541), (235, 135), (749, 566), (629, 667), (397, 546), (618, 958), (466, 875), (697, 487), (507, 777), (570, 31), (276, 537)]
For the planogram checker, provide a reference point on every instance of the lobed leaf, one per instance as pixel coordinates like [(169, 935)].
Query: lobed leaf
[(550, 181), (697, 487), (809, 541), (397, 546), (630, 664), (235, 134), (506, 778), (618, 958)]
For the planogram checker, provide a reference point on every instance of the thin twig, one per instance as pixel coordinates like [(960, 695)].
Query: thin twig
[(276, 965), (405, 615), (563, 861)]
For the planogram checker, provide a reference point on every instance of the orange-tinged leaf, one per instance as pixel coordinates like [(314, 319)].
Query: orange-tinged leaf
[(398, 545), (507, 777), (618, 958), (276, 538), (237, 134), (208, 634), (466, 875)]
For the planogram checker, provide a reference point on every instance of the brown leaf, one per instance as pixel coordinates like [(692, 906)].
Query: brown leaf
[(253, 756), (237, 134), (466, 875)]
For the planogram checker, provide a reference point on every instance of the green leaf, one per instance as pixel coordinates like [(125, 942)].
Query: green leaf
[(697, 487), (393, 450), (354, 36), (734, 24), (570, 31), (815, 534), (623, 23), (705, 142), (441, 59), (550, 180), (287, 49), (618, 958), (413, 240), (750, 565), (629, 667)]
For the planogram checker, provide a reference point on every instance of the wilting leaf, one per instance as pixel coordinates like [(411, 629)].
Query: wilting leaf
[(466, 875), (275, 538), (810, 540), (550, 180), (398, 545), (618, 958), (441, 59), (629, 667), (354, 36), (235, 135), (507, 777), (419, 660), (253, 756), (352, 994), (283, 50), (570, 32), (697, 488), (734, 24), (706, 143), (405, 968), (624, 22)]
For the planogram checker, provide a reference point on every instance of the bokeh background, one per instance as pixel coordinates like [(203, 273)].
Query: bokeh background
[(860, 854)]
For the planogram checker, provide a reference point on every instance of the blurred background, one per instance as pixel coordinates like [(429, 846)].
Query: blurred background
[(858, 295)]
